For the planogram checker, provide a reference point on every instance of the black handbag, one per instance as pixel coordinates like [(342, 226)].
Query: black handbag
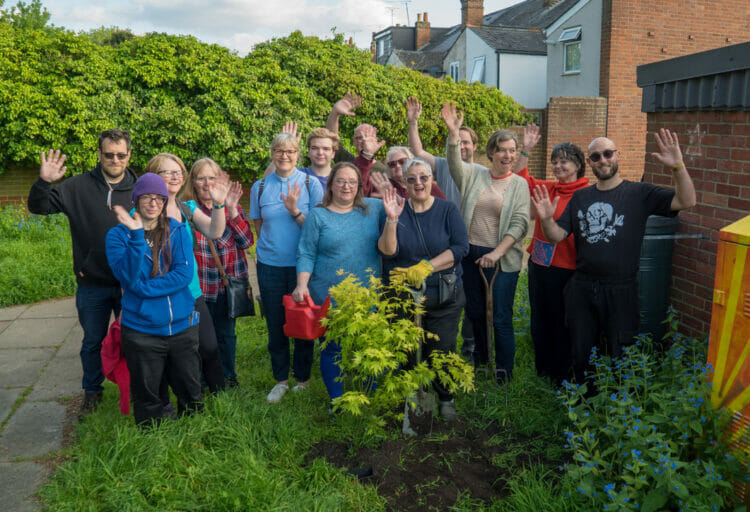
[(447, 288), (240, 298)]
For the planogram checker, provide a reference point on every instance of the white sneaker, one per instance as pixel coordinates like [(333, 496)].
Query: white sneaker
[(277, 392), (298, 388)]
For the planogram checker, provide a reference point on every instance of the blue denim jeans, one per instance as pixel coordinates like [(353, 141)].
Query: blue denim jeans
[(503, 293), (95, 306), (226, 336), (274, 283)]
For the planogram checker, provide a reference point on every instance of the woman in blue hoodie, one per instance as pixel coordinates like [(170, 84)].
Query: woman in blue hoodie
[(151, 255)]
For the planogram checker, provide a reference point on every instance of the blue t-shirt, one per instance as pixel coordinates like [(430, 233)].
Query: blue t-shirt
[(442, 228), (322, 179), (279, 235), (332, 241)]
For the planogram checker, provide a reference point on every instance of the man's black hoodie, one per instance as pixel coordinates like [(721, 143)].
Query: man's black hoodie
[(83, 198)]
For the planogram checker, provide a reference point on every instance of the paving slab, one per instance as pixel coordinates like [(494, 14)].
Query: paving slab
[(71, 346), (7, 398), (21, 366), (12, 312), (61, 377), (19, 481), (36, 332), (4, 324), (35, 429), (59, 308)]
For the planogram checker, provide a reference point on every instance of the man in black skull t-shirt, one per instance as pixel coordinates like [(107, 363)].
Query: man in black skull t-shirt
[(608, 221)]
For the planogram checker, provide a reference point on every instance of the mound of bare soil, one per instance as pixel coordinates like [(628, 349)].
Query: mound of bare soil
[(433, 472)]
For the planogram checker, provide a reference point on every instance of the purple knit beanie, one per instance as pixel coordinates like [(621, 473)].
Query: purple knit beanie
[(149, 183)]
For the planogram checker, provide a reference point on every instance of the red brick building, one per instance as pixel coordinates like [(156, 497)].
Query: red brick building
[(705, 98)]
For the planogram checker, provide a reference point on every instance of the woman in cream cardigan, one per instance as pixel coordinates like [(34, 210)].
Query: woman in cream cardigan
[(495, 208)]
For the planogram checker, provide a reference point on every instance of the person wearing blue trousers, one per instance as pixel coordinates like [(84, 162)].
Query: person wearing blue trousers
[(340, 234)]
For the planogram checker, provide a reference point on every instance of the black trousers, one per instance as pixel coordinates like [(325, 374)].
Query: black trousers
[(149, 357), (208, 348), (598, 308), (549, 332)]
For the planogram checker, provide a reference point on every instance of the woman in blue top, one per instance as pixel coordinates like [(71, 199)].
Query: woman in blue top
[(423, 241), (341, 234), (279, 204), (150, 254)]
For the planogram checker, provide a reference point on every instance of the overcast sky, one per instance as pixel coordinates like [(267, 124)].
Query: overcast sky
[(239, 24)]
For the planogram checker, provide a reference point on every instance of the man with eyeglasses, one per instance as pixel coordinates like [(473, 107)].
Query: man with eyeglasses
[(87, 200), (608, 221)]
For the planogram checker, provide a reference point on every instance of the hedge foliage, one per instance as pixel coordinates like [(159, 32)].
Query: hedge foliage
[(173, 93)]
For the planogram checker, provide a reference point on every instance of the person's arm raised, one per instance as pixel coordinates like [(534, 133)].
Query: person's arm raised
[(413, 112), (531, 137), (545, 210), (344, 107), (670, 155)]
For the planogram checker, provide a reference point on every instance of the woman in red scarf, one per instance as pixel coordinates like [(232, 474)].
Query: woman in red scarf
[(552, 265)]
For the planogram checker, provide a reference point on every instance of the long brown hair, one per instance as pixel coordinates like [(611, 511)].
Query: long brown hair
[(188, 191), (358, 197), (160, 242)]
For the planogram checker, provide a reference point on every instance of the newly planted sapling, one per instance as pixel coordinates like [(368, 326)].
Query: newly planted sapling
[(374, 326)]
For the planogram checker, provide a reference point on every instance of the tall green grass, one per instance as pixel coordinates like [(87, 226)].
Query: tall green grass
[(35, 257)]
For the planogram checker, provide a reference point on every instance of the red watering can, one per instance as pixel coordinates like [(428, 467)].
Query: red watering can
[(303, 318)]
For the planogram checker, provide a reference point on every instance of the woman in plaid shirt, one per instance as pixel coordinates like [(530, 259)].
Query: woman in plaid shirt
[(230, 246)]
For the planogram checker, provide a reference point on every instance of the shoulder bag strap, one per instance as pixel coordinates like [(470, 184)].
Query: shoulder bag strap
[(215, 254)]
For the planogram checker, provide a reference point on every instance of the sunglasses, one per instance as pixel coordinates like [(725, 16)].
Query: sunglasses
[(393, 163), (112, 156), (607, 153), (412, 180)]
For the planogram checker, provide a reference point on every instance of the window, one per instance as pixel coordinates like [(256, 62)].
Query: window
[(381, 48), (453, 70), (571, 37), (477, 72)]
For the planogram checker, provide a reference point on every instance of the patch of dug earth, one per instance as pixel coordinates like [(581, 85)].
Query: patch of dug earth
[(432, 473)]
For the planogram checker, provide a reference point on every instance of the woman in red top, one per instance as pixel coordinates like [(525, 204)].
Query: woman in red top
[(551, 265)]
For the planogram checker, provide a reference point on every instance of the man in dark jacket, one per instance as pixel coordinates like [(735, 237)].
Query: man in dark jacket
[(87, 200)]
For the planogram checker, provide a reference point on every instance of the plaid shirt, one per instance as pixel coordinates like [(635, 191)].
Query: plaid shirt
[(231, 248)]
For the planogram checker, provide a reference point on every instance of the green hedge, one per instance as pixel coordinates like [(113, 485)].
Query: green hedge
[(174, 93)]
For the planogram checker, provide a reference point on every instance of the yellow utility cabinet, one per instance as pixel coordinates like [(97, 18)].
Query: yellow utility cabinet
[(729, 345)]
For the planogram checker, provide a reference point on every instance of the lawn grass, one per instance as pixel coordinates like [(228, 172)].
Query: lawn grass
[(245, 454)]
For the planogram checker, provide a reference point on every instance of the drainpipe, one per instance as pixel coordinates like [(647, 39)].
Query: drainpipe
[(497, 52)]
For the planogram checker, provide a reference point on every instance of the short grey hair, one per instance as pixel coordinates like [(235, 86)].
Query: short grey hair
[(398, 149), (414, 162), (286, 140)]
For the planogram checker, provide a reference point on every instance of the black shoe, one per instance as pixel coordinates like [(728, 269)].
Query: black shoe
[(90, 403), (168, 411), (231, 383)]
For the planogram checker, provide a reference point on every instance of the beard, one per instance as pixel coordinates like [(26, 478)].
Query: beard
[(603, 175)]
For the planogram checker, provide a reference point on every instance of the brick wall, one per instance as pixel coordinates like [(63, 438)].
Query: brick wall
[(636, 32), (15, 183), (576, 120), (716, 150)]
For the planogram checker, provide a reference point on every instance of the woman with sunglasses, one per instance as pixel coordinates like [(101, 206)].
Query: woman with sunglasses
[(495, 207), (151, 256), (279, 205), (340, 234), (552, 265), (423, 241), (173, 171), (230, 246), (395, 159)]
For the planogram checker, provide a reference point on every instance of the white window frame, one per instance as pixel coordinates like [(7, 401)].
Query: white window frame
[(478, 70), (454, 69), (571, 37)]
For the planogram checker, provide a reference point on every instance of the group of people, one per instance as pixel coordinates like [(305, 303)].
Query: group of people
[(152, 250)]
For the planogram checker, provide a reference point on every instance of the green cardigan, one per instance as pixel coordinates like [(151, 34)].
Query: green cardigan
[(514, 216)]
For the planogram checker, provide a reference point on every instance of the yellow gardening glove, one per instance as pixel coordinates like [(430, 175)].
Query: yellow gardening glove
[(415, 275)]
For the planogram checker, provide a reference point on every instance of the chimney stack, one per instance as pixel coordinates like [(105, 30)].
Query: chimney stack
[(472, 13), (421, 32)]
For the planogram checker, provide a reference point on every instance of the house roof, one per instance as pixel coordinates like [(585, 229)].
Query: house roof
[(529, 14), (420, 60), (513, 40)]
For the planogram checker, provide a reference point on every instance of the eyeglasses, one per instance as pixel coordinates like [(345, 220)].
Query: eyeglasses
[(118, 156), (205, 179), (393, 163), (282, 152), (412, 180), (341, 182), (607, 153), (170, 174), (146, 198)]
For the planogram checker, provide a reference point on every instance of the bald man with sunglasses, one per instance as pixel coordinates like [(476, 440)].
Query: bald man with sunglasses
[(608, 221), (87, 200)]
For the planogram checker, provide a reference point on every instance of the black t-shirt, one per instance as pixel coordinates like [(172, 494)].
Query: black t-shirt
[(608, 226)]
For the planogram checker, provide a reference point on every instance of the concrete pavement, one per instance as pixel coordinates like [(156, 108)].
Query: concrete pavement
[(40, 371)]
